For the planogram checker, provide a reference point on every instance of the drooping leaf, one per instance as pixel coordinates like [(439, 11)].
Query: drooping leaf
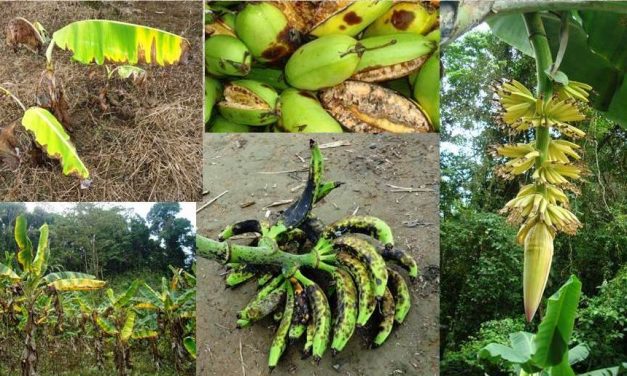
[(124, 298), (551, 340), (25, 247), (578, 353), (50, 135), (611, 371), (129, 324), (522, 343), (42, 251), (495, 351), (6, 272), (77, 284), (66, 275), (145, 334), (190, 346), (106, 326), (103, 41)]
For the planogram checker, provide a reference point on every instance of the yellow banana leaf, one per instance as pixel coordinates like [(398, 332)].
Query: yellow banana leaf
[(51, 137), (42, 251), (6, 272), (127, 329), (25, 253), (77, 284), (66, 275), (145, 334), (106, 326), (103, 41)]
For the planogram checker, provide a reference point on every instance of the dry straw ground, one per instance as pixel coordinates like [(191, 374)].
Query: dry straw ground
[(145, 147)]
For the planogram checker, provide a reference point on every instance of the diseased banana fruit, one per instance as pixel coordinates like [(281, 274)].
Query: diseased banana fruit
[(322, 320), (300, 111), (346, 305), (347, 17), (227, 56), (363, 107), (369, 256), (249, 102), (405, 16), (265, 30), (388, 57), (365, 287), (213, 91), (386, 307), (324, 62), (280, 339)]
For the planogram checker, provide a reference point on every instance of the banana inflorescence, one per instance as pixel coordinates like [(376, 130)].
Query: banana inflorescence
[(541, 207), (289, 259), (330, 66)]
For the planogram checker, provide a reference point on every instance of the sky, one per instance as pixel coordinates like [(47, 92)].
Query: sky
[(188, 209)]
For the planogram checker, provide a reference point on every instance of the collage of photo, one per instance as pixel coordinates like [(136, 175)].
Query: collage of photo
[(361, 188)]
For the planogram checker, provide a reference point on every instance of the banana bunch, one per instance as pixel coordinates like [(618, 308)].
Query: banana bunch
[(322, 66), (320, 282), (541, 208)]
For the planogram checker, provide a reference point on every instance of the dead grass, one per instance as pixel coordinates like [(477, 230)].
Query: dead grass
[(146, 147)]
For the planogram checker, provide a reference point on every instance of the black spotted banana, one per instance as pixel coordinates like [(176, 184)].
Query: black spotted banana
[(387, 318), (367, 225), (244, 315), (346, 309), (403, 258), (365, 287), (400, 292), (369, 256), (280, 339)]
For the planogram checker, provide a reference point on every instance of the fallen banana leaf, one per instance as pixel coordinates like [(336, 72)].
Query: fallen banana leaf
[(103, 41), (52, 138)]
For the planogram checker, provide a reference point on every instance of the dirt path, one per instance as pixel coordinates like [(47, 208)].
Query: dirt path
[(233, 163), (146, 146)]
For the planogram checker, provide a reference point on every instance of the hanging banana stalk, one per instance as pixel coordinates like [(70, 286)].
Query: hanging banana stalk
[(285, 252), (541, 207)]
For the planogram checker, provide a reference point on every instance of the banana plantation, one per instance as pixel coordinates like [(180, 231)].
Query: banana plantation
[(63, 322)]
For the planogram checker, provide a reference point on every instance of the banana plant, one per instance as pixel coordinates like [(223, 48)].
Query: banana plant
[(286, 251), (546, 352), (174, 306), (31, 285), (117, 319)]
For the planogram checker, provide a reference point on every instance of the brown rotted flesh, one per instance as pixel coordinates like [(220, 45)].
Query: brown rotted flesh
[(390, 72), (364, 107)]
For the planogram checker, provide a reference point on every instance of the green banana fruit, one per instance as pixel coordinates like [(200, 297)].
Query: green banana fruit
[(226, 56), (402, 257), (537, 265), (387, 321), (347, 17), (296, 331), (221, 125), (223, 25), (369, 256), (323, 62), (244, 314), (368, 225), (400, 292), (388, 57), (365, 287), (301, 112), (321, 318), (263, 279), (268, 76), (325, 188), (427, 88), (412, 17), (249, 102), (213, 91), (242, 227), (280, 339), (346, 309), (262, 308), (265, 30), (364, 107), (238, 275)]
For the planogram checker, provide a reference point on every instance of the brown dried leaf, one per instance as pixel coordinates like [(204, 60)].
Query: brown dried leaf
[(21, 33), (8, 144), (50, 95)]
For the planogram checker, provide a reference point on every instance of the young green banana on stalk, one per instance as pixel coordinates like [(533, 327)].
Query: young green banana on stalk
[(542, 206)]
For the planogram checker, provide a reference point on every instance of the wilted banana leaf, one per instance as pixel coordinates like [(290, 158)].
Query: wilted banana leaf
[(51, 137), (6, 272), (49, 278), (595, 54), (77, 284), (106, 326), (551, 340), (127, 329), (41, 258), (145, 334), (25, 253), (103, 41)]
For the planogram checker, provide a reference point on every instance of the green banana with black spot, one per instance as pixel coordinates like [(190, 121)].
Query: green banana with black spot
[(402, 297), (311, 330), (365, 288), (244, 315), (367, 225), (322, 320), (387, 321), (280, 339), (403, 258), (346, 310), (369, 256)]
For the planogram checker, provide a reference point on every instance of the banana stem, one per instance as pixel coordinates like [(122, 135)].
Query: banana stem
[(267, 253), (13, 97), (544, 60)]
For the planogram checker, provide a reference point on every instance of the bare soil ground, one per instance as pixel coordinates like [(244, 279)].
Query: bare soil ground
[(234, 163), (147, 146)]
